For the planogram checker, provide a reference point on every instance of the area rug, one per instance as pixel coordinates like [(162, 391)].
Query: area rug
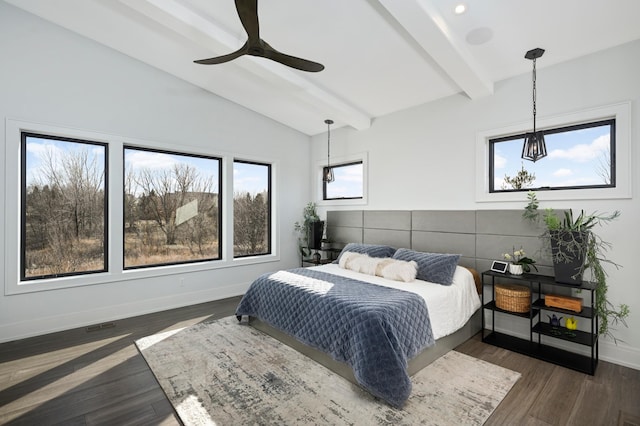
[(228, 373)]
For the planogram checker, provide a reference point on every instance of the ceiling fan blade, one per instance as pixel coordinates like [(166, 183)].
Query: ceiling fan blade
[(248, 13), (224, 58), (291, 61), (255, 46)]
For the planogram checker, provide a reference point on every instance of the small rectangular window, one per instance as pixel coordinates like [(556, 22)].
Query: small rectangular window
[(172, 211), (579, 157), (348, 183), (251, 208), (63, 205)]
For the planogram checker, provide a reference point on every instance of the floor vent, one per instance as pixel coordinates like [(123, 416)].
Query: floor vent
[(100, 326)]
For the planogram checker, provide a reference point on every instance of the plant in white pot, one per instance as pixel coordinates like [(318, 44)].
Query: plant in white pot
[(576, 248), (519, 263)]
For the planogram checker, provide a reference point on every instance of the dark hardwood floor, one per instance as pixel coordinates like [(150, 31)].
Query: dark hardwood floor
[(547, 394), (83, 378), (98, 377)]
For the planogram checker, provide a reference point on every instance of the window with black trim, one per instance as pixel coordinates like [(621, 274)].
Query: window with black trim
[(172, 211), (251, 208), (348, 183), (579, 156), (63, 206)]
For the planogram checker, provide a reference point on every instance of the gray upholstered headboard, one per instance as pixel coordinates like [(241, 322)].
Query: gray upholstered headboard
[(480, 236)]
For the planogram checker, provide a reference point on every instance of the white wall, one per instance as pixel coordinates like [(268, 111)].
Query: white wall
[(424, 158), (50, 75)]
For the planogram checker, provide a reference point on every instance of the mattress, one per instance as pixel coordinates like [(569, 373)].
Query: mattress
[(450, 307)]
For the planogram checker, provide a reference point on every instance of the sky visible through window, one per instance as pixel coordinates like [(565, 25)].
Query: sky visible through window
[(41, 151), (250, 178), (575, 158), (136, 159), (247, 176), (348, 182)]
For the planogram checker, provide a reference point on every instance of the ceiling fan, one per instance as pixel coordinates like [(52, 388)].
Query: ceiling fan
[(255, 46)]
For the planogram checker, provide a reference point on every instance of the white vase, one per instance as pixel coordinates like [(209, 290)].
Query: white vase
[(515, 269)]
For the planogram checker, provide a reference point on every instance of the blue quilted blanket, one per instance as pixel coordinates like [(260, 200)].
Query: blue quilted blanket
[(372, 328)]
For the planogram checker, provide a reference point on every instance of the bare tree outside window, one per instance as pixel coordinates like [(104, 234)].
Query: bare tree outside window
[(603, 168), (251, 208), (63, 206), (172, 212)]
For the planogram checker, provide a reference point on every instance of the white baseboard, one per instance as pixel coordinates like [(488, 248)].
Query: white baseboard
[(40, 326), (620, 354)]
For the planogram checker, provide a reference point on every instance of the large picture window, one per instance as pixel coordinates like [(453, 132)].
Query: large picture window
[(172, 211), (63, 205), (579, 157), (88, 208), (348, 182), (251, 208)]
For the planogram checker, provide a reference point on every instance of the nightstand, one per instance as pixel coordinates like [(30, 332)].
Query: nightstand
[(548, 349), (321, 257)]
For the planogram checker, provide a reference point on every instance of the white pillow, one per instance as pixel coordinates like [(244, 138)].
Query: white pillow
[(397, 270), (359, 262), (391, 269), (345, 259)]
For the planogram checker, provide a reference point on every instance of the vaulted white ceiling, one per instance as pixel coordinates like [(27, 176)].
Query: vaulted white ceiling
[(380, 56)]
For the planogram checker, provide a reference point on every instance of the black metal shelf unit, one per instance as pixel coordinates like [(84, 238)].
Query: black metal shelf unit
[(533, 346), (320, 257)]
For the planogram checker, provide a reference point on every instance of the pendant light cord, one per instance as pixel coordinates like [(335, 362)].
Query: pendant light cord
[(534, 95), (328, 174), (329, 123), (328, 142)]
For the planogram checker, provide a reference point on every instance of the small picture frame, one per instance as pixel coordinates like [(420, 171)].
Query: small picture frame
[(498, 266)]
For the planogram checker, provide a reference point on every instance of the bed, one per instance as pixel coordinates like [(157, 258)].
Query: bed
[(371, 329)]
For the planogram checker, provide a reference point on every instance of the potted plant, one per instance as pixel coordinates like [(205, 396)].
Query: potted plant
[(519, 263), (309, 231), (576, 248)]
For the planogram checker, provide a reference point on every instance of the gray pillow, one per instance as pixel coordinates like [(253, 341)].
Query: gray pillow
[(433, 267), (373, 250)]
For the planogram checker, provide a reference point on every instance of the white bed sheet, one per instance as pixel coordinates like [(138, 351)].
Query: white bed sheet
[(450, 307)]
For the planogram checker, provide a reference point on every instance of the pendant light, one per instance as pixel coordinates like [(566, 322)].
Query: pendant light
[(534, 147), (327, 174)]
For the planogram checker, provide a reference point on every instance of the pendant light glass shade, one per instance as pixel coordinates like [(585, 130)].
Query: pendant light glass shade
[(534, 147), (327, 173)]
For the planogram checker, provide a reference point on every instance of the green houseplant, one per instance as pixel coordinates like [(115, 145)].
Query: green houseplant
[(309, 230), (576, 248)]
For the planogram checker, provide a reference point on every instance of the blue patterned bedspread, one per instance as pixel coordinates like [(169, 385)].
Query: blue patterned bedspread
[(372, 328)]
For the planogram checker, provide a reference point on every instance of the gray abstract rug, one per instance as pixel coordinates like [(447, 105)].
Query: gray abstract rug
[(227, 373)]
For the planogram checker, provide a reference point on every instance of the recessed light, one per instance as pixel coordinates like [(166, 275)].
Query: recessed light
[(460, 9)]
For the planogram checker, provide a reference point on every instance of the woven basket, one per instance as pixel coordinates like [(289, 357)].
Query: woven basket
[(513, 298)]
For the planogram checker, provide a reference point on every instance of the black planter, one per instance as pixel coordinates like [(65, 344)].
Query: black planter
[(567, 267), (316, 229)]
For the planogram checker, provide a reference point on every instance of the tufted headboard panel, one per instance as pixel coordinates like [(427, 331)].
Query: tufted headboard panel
[(479, 236)]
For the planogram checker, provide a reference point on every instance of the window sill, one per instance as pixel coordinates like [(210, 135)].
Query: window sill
[(15, 288)]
